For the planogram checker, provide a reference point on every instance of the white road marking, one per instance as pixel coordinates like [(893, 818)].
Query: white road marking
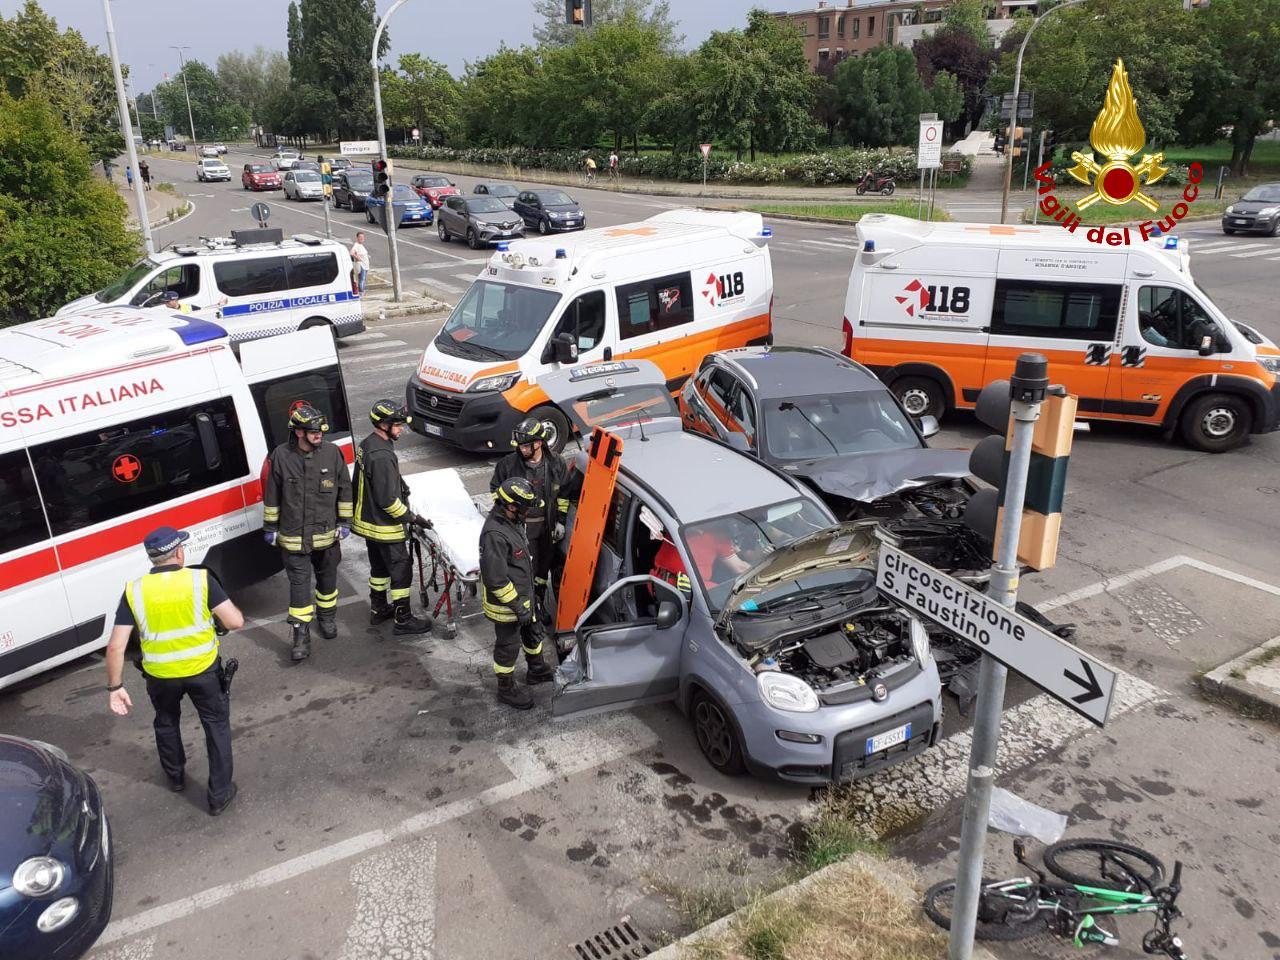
[(1237, 247), (449, 266), (395, 904), (367, 335), (138, 950), (441, 285), (1270, 250), (1214, 247), (364, 349), (468, 277), (852, 248), (408, 363)]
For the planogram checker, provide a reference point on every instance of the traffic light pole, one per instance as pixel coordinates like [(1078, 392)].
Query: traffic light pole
[(1035, 207), (390, 210), (1026, 391)]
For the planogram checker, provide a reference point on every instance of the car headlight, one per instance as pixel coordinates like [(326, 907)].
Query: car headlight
[(1268, 211), (1270, 364), (38, 877), (782, 691), (920, 643), (500, 382)]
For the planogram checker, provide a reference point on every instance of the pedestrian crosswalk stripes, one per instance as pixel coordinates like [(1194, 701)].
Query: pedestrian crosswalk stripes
[(1268, 249)]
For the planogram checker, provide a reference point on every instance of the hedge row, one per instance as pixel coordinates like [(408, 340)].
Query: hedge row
[(1176, 177), (832, 167)]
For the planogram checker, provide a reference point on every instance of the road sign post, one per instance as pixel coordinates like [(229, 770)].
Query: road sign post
[(706, 154), (928, 153), (262, 213)]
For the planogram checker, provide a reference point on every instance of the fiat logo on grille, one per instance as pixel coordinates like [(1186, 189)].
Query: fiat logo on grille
[(435, 401), (879, 693)]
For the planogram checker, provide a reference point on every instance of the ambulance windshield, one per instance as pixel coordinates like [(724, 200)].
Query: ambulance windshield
[(496, 321)]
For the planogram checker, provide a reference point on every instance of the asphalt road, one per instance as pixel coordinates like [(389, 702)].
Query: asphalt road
[(388, 808)]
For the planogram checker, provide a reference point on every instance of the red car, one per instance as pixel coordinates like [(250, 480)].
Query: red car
[(433, 188), (260, 176)]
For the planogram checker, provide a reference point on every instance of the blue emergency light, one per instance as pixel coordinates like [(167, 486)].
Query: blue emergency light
[(503, 246), (766, 232), (1170, 243), (868, 246), (561, 254)]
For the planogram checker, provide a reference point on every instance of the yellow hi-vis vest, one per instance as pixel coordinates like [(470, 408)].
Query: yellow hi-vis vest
[(175, 626)]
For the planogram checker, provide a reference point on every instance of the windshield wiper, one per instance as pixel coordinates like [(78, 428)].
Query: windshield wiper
[(788, 405), (784, 603), (491, 351)]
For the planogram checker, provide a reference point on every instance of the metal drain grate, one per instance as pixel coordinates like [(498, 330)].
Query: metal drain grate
[(613, 943)]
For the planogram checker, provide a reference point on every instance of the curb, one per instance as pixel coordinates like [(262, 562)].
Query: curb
[(374, 311), (166, 222), (1242, 692), (835, 221)]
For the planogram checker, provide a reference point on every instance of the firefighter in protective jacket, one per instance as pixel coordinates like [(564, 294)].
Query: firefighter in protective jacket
[(307, 507), (382, 511), (506, 584)]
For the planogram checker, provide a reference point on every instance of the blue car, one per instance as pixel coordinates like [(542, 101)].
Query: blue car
[(55, 855), (413, 210)]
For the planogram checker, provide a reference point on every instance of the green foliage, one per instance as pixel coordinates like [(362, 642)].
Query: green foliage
[(74, 77), (969, 17), (502, 97), (216, 114), (250, 79), (881, 97), (948, 98), (62, 231), (554, 31), (954, 50), (422, 93)]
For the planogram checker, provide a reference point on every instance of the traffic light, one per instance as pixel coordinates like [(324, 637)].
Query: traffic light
[(1019, 141), (1046, 477), (577, 13), (381, 177)]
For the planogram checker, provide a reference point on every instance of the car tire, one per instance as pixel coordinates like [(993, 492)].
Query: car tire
[(544, 227), (441, 230), (557, 425), (368, 215), (717, 738), (1275, 228), (472, 240), (1229, 233), (920, 396), (1217, 422)]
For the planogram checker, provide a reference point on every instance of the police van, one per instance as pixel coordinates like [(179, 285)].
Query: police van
[(938, 310), (670, 289), (252, 289), (116, 421)]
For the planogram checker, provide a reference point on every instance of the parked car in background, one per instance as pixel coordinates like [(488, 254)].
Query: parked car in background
[(433, 188), (503, 191), (412, 210), (209, 151), (481, 220), (339, 163), (177, 145), (1258, 210), (260, 176), (220, 148), (307, 165), (208, 169), (56, 881), (351, 188), (303, 185), (549, 211), (285, 158)]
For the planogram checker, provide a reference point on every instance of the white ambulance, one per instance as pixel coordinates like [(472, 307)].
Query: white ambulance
[(670, 289), (252, 289), (116, 421), (940, 310)]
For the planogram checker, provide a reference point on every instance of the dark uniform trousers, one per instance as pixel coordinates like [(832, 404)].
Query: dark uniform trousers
[(510, 638), (390, 569), (214, 709), (298, 567)]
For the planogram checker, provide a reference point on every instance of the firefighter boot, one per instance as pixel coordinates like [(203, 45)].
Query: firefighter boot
[(538, 671), (512, 693), (327, 621), (379, 609), (301, 642), (406, 623)]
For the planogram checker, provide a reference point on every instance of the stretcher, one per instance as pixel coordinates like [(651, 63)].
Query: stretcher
[(451, 546)]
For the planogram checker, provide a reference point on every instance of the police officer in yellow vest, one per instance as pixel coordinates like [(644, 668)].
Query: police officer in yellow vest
[(173, 608)]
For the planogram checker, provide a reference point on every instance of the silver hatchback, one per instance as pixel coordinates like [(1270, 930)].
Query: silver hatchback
[(303, 185)]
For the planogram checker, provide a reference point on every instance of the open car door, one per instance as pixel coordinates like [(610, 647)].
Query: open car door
[(618, 661)]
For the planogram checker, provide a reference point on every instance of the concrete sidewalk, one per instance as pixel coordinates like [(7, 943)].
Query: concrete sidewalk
[(160, 204)]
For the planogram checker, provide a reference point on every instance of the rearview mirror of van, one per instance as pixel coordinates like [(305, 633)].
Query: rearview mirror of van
[(1206, 346), (563, 348)]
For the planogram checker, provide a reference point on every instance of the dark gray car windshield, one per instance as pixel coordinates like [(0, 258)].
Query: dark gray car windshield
[(486, 205), (553, 198), (496, 321), (809, 428), (1267, 193), (358, 181), (127, 282)]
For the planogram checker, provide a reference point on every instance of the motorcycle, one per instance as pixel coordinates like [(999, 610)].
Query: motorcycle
[(884, 185)]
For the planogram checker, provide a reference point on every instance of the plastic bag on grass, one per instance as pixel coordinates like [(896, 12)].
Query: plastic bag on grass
[(1012, 814)]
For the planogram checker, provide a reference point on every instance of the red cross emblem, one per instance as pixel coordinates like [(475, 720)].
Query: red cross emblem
[(126, 468)]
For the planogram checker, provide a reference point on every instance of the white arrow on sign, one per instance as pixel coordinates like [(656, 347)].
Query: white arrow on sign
[(1081, 682)]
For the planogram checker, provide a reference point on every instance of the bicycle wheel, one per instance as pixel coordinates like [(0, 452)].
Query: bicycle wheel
[(1001, 916), (1104, 863)]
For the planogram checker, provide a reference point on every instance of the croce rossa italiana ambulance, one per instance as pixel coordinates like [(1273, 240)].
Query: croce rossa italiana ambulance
[(939, 310), (669, 289), (116, 421)]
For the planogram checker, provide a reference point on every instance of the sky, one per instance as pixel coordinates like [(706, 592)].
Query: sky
[(145, 29)]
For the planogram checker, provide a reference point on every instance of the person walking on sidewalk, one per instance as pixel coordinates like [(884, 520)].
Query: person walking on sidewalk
[(173, 609), (144, 170), (360, 262), (307, 508), (128, 176), (381, 514)]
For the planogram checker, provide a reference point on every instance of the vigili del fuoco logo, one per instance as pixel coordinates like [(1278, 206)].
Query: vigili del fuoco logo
[(1117, 134)]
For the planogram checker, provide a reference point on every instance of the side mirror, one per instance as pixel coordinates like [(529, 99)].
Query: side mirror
[(928, 426), (739, 442), (566, 348), (1206, 346), (668, 614)]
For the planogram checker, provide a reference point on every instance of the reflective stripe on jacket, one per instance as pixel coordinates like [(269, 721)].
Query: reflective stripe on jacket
[(506, 570), (381, 494), (305, 496), (175, 625)]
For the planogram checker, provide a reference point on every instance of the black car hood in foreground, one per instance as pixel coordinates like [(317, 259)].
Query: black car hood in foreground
[(40, 797), (866, 477)]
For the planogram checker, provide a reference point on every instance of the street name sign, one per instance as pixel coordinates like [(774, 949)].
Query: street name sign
[(1063, 671), (929, 151), (359, 148)]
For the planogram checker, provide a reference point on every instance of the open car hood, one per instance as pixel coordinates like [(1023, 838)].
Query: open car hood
[(867, 477), (621, 396)]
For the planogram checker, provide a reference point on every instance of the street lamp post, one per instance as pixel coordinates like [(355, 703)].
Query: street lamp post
[(126, 129), (1017, 91), (187, 92), (390, 215)]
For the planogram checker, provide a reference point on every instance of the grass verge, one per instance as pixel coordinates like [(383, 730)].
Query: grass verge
[(852, 212)]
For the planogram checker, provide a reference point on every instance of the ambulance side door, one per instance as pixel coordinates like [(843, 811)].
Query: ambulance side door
[(651, 313), (590, 321)]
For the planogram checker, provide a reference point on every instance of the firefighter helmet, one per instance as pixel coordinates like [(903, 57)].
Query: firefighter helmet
[(304, 416), (518, 492), (528, 430), (389, 411)]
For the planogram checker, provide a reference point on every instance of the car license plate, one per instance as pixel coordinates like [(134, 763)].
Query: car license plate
[(890, 738), (1240, 223), (433, 430)]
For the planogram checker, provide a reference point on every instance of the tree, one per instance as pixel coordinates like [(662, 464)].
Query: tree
[(969, 17), (329, 46), (948, 98), (881, 97), (555, 31), (62, 230), (74, 77), (503, 103), (249, 78), (956, 51), (215, 114), (422, 94)]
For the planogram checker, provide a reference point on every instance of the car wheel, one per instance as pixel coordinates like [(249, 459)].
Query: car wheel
[(1275, 228), (920, 396), (472, 240), (442, 231), (1217, 422), (716, 736), (368, 214), (543, 227), (1229, 233), (557, 426)]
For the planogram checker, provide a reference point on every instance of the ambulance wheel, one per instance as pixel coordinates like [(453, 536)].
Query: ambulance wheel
[(1217, 422), (920, 396), (557, 425)]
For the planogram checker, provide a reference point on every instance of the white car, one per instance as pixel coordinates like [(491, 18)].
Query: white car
[(209, 151), (212, 169), (303, 185), (285, 159), (220, 148)]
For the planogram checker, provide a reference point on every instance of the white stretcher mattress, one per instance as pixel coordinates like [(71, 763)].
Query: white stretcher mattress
[(440, 496)]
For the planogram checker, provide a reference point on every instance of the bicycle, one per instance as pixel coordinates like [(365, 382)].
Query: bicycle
[(1114, 879)]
